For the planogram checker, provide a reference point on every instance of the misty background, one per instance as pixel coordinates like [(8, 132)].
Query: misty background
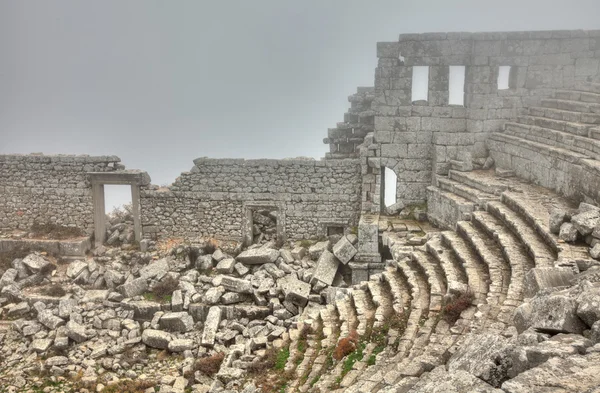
[(160, 83)]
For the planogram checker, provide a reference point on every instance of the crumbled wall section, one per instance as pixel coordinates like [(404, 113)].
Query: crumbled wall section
[(211, 199), (49, 188), (422, 138)]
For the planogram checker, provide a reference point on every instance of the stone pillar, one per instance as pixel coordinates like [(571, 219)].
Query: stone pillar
[(99, 214), (135, 204)]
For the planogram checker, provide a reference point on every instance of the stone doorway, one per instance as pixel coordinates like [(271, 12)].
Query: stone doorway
[(263, 216), (99, 180)]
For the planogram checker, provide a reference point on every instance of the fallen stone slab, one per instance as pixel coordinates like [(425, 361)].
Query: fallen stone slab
[(176, 322), (213, 319), (36, 263), (586, 222), (181, 345), (156, 270), (547, 277), (298, 253), (557, 218), (568, 232), (588, 308), (258, 256), (295, 291), (226, 266), (233, 284), (478, 356), (9, 277), (556, 313), (317, 249), (144, 310), (133, 288), (41, 345), (156, 338), (95, 296), (326, 268), (344, 250), (76, 268), (76, 332), (48, 319), (57, 361)]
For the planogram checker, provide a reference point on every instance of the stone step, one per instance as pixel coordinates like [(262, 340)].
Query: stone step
[(537, 248), (533, 204), (347, 314), (569, 105), (470, 193), (579, 129), (445, 208), (591, 87), (365, 309), (575, 95), (579, 144), (514, 253), (568, 116), (399, 288), (491, 254), (419, 306), (475, 269), (486, 183), (452, 269), (312, 351), (291, 364), (548, 150), (382, 298), (435, 278)]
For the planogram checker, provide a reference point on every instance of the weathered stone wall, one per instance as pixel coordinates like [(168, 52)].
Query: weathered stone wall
[(421, 138), (49, 188), (212, 200)]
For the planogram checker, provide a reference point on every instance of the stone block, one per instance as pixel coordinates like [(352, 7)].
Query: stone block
[(144, 310), (213, 319), (326, 268), (156, 338), (586, 222), (546, 277), (298, 253), (233, 284), (344, 250), (258, 256), (176, 322), (588, 308), (556, 313), (133, 288), (317, 249), (226, 266), (568, 232), (295, 291)]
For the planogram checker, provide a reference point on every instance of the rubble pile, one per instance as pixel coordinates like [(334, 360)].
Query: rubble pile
[(264, 226), (581, 225), (121, 304)]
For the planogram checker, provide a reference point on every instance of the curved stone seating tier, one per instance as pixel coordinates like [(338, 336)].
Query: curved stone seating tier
[(382, 298), (514, 253), (452, 270), (477, 272), (365, 309), (541, 253), (491, 255)]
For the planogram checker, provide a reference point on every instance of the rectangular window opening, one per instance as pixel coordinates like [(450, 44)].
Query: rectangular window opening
[(456, 94), (504, 77), (420, 83)]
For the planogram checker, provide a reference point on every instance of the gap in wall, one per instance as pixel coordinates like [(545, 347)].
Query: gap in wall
[(504, 77), (264, 225), (420, 83), (118, 209), (456, 93), (390, 180)]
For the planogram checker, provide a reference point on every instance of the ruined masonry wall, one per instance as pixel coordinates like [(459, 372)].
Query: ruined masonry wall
[(419, 139), (210, 200), (48, 188)]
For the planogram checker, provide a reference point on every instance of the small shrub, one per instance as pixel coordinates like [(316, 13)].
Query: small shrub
[(211, 246), (306, 243), (54, 231), (209, 365), (137, 386), (54, 290), (165, 287), (456, 306), (346, 346)]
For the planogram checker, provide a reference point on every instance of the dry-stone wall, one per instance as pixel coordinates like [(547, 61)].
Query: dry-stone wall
[(418, 139), (49, 188), (215, 197)]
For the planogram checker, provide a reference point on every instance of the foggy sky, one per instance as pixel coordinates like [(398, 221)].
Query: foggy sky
[(159, 83)]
